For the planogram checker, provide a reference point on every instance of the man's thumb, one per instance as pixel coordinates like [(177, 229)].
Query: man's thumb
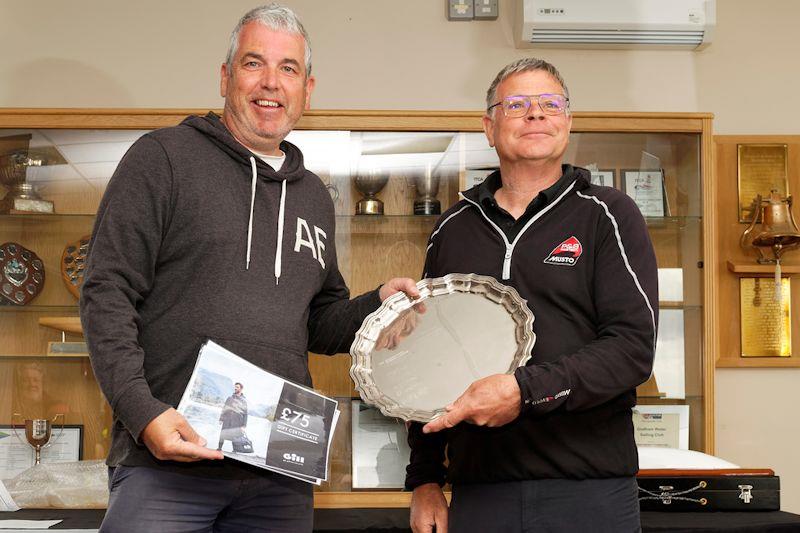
[(189, 434)]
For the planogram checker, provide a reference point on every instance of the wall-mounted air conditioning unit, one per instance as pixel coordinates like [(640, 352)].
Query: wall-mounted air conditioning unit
[(683, 24)]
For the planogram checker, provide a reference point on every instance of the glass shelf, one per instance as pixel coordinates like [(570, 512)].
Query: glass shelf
[(71, 310), (45, 218), (679, 305), (672, 220), (385, 224)]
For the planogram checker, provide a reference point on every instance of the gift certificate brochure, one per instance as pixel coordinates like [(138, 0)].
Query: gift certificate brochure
[(257, 417)]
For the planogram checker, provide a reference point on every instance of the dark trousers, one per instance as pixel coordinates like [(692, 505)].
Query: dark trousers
[(546, 505), (147, 500)]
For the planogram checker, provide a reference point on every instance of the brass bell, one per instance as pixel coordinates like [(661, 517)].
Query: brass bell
[(778, 230)]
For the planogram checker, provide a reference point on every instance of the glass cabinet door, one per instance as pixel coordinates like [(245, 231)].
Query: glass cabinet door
[(390, 175)]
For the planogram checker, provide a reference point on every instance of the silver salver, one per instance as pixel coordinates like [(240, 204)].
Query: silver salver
[(413, 358)]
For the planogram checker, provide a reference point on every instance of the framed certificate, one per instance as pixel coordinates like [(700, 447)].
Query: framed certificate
[(646, 187), (16, 456), (474, 176), (663, 426), (380, 449), (604, 177)]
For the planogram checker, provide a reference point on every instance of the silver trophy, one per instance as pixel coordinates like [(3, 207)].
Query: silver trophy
[(427, 186), (411, 358), (370, 184), (38, 432), (21, 195)]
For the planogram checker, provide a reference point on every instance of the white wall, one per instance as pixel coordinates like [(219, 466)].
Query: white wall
[(382, 54)]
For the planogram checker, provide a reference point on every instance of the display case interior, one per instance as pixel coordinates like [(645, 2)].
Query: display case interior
[(398, 171)]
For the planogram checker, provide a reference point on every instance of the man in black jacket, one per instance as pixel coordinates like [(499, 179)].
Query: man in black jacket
[(214, 229), (550, 447), (233, 417)]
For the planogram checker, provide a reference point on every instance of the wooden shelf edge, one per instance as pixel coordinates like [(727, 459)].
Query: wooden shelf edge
[(688, 472), (755, 268), (758, 362), (68, 324), (361, 500)]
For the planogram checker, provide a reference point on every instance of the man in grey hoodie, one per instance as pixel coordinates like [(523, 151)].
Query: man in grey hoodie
[(214, 229)]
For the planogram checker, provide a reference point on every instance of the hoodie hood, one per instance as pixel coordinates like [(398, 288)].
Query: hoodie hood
[(212, 127), (292, 170)]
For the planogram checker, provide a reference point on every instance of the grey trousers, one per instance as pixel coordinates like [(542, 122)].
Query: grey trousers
[(149, 500), (546, 506)]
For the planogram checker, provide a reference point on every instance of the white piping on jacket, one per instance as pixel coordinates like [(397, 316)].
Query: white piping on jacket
[(445, 221), (621, 247), (281, 212), (510, 245)]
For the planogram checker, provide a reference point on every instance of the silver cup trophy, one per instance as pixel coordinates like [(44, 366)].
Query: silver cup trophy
[(38, 432), (370, 184), (21, 195), (427, 186)]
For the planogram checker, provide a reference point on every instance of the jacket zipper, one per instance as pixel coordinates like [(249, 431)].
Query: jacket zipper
[(510, 245)]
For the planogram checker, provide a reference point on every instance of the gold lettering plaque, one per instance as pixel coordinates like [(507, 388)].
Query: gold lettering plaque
[(766, 324), (761, 168)]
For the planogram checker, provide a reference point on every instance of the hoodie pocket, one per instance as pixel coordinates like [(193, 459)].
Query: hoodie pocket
[(277, 360)]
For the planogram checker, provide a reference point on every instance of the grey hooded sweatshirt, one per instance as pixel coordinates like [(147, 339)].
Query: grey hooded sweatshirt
[(195, 239)]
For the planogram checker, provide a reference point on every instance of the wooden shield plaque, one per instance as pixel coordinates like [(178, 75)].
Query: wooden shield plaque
[(73, 262), (21, 274)]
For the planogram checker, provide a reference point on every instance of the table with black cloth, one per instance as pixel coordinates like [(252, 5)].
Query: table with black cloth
[(396, 520)]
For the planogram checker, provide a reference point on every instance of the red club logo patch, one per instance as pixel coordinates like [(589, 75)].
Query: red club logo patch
[(567, 253)]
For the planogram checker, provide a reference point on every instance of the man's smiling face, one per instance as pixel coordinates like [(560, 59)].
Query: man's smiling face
[(265, 87)]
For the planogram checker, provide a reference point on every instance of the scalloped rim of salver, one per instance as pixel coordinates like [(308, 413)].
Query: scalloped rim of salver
[(392, 307)]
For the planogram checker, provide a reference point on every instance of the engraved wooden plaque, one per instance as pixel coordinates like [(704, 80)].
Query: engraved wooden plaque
[(766, 323), (761, 168)]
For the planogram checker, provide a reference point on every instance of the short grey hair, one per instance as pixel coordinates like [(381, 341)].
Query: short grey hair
[(526, 64), (275, 17)]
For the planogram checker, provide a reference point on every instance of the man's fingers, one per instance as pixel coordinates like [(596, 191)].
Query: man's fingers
[(444, 422), (189, 452), (408, 286), (441, 522), (395, 285)]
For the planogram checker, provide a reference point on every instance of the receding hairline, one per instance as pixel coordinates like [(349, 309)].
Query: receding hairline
[(520, 66), (275, 17)]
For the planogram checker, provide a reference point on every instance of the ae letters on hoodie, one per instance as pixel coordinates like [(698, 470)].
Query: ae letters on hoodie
[(303, 238)]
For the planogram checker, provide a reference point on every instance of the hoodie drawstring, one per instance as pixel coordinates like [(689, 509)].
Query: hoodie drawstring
[(252, 203), (279, 244), (281, 211)]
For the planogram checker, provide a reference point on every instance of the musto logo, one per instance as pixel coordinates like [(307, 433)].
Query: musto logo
[(567, 253), (294, 458)]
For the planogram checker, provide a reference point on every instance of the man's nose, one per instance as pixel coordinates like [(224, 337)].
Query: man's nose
[(535, 111), (269, 78)]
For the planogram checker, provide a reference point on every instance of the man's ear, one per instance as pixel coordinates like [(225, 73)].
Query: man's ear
[(310, 83), (223, 80), (488, 128)]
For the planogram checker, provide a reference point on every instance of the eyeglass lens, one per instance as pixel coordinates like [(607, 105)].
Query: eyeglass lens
[(518, 106)]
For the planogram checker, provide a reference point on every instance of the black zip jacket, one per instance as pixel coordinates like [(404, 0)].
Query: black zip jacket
[(586, 266), (175, 260)]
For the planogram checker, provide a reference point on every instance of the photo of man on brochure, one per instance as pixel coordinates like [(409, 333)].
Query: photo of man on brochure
[(233, 420)]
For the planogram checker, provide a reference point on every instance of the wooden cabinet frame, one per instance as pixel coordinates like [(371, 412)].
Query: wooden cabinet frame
[(696, 123)]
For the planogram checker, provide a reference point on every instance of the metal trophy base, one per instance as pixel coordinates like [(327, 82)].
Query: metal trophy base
[(25, 205), (427, 207), (369, 206)]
